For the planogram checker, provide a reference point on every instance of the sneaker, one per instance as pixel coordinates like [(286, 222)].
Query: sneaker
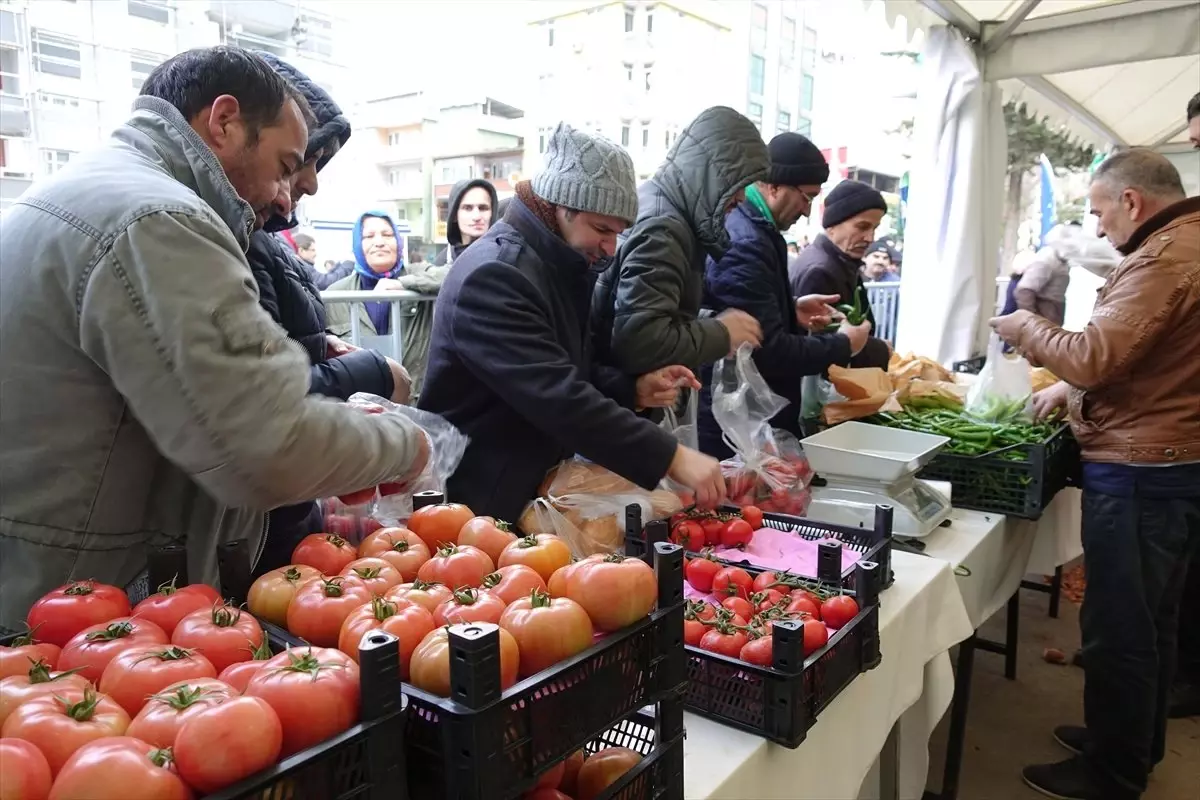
[(1066, 780), (1072, 737), (1185, 701)]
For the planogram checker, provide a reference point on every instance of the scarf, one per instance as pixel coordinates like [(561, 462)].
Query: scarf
[(755, 198), (540, 208)]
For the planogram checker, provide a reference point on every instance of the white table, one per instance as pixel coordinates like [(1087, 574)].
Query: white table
[(921, 616)]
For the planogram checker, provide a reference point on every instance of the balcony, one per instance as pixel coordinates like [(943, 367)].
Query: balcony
[(269, 18), (16, 118)]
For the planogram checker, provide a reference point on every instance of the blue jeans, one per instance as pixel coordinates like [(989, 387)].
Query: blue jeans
[(1136, 544)]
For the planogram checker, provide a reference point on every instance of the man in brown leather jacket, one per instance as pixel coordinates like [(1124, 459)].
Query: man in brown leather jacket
[(1131, 383)]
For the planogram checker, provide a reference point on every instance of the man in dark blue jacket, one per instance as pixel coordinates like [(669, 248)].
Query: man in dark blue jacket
[(753, 275), (510, 363)]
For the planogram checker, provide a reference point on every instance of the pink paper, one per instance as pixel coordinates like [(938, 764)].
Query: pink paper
[(780, 550)]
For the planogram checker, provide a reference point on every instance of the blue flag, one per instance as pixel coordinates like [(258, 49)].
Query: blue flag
[(1049, 212)]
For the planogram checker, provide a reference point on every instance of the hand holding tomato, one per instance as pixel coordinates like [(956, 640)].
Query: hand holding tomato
[(64, 612), (120, 768)]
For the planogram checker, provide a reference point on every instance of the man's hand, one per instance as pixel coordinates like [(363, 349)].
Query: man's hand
[(1009, 326), (815, 311), (660, 389), (389, 285), (857, 334), (701, 474), (401, 381), (1049, 400), (743, 329), (335, 347)]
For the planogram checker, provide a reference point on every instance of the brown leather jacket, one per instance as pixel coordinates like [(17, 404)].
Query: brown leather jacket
[(1135, 369)]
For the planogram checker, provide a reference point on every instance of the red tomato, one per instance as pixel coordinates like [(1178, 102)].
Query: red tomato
[(38, 681), (551, 778), (404, 618), (439, 524), (70, 608), (120, 768), (223, 634), (169, 605), (26, 773), (753, 516), (457, 566), (766, 599), (732, 582), (26, 650), (400, 547), (803, 606), (430, 668), (701, 610), (815, 636), (358, 498), (837, 611), (141, 671), (314, 690), (90, 650), (543, 552), (736, 533), (615, 591), (221, 745), (693, 632), (469, 605), (813, 598), (758, 651), (425, 594), (546, 630), (61, 723), (689, 535), (489, 535), (739, 605), (513, 582), (727, 643), (320, 607), (712, 528), (700, 573), (377, 574), (571, 771), (603, 770), (238, 675), (159, 720), (327, 552), (272, 593)]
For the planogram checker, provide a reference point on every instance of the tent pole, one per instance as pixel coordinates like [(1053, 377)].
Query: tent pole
[(1010, 25), (1073, 107), (956, 16)]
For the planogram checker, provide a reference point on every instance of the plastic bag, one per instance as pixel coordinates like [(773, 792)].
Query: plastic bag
[(682, 423), (584, 505), (1003, 392), (768, 468)]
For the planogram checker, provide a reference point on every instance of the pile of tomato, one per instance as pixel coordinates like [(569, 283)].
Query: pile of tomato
[(738, 621), (778, 484), (583, 777), (694, 530), (174, 696), (448, 567)]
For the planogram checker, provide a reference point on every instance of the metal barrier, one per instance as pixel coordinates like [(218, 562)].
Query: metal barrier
[(885, 305), (402, 302)]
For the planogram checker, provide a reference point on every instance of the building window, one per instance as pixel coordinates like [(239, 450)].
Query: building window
[(806, 92), (787, 39), (758, 69), (784, 123), (755, 111), (56, 55), (649, 20), (809, 55), (804, 127), (625, 135), (550, 34), (402, 213), (149, 9), (758, 26), (141, 66), (447, 174), (629, 20), (629, 73), (648, 77), (54, 160), (645, 134), (393, 138)]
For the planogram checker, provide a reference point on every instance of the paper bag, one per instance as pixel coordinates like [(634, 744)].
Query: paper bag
[(867, 391)]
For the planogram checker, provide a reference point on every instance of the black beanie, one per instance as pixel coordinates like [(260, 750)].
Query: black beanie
[(795, 161), (849, 199)]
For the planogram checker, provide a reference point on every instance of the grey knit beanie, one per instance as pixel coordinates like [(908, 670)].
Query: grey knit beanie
[(587, 172)]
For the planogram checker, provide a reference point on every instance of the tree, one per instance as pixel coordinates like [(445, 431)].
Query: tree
[(1029, 136)]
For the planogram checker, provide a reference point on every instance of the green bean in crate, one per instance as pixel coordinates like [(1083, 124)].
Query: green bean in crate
[(970, 437)]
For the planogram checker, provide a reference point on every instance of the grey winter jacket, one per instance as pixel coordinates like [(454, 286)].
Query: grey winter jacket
[(145, 397), (646, 305)]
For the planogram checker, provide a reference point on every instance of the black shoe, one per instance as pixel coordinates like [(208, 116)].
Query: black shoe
[(1066, 780), (1185, 701), (1072, 737)]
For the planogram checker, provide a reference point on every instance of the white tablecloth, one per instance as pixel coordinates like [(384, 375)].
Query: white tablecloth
[(1058, 541), (993, 556), (921, 617)]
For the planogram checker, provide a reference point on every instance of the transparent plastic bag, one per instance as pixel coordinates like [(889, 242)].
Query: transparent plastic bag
[(1003, 392), (681, 423), (768, 468), (584, 505)]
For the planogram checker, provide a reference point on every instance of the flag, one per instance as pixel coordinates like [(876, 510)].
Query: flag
[(1049, 213)]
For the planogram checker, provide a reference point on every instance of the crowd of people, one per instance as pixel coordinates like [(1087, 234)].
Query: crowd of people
[(171, 374)]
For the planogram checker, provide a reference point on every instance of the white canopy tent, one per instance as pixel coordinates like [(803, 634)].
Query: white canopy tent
[(1116, 73)]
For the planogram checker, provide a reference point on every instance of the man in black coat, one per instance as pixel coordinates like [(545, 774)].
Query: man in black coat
[(832, 264), (510, 363), (753, 275)]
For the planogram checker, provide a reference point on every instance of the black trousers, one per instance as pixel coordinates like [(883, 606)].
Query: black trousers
[(1135, 550), (1189, 624)]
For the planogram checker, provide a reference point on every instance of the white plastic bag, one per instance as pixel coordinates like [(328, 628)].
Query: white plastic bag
[(682, 423), (1003, 392)]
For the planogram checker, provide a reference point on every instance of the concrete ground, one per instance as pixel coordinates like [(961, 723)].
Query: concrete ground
[(1010, 722)]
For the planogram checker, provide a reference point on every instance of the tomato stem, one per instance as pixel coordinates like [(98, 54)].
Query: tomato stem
[(382, 609), (27, 638), (539, 599), (84, 709), (292, 575), (333, 587), (161, 757), (447, 549), (117, 630), (76, 588), (492, 580), (466, 596), (367, 573), (182, 697), (169, 588), (171, 653), (260, 652), (336, 541), (419, 585), (225, 615), (401, 546)]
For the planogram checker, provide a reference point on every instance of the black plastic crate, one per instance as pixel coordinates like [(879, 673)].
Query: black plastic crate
[(969, 366), (659, 775), (1018, 481), (874, 543), (481, 744)]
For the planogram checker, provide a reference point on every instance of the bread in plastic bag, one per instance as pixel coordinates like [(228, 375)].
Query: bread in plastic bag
[(1003, 392)]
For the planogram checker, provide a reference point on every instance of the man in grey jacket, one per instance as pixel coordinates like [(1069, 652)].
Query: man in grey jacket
[(646, 306), (146, 397)]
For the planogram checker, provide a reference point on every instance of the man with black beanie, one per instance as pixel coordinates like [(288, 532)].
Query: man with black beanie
[(832, 264), (753, 275)]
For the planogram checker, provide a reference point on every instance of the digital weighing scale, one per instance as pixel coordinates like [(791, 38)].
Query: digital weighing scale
[(868, 465)]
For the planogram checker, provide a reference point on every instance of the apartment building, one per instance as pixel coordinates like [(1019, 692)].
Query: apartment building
[(69, 69), (779, 42)]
